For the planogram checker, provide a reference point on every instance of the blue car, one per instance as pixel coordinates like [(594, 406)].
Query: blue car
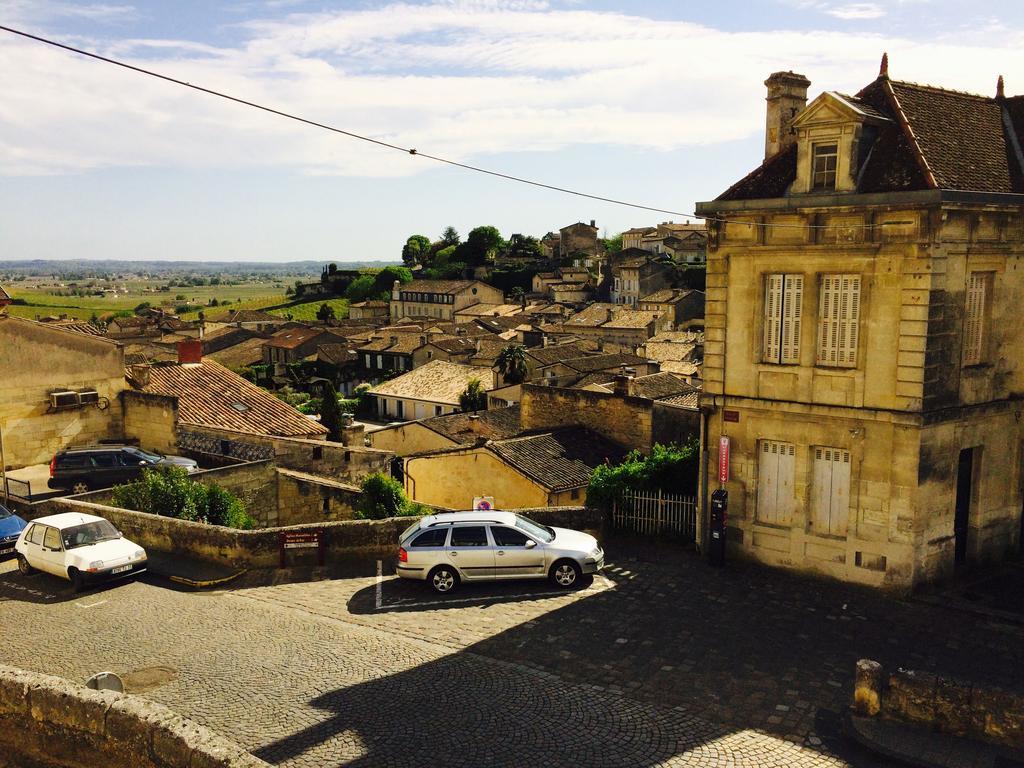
[(11, 527)]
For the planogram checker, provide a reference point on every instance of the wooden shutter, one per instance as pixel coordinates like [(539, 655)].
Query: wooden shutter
[(773, 318), (974, 318), (830, 491), (775, 498), (792, 299), (839, 320)]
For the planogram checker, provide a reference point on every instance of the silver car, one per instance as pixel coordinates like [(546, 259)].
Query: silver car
[(449, 547)]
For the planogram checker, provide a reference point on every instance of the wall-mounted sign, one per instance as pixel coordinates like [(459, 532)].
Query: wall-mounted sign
[(732, 416), (483, 502), (723, 459)]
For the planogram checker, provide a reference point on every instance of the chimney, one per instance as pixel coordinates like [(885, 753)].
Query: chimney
[(139, 373), (393, 340), (623, 385), (423, 340), (787, 96), (593, 223), (396, 290), (190, 351), (474, 424)]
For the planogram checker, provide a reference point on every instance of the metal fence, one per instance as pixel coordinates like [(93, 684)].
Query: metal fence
[(17, 489), (653, 513)]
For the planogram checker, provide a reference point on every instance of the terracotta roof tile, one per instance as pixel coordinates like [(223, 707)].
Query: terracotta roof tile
[(465, 428), (558, 460), (439, 381), (209, 395)]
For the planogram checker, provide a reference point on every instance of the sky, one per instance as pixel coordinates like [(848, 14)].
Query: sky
[(656, 102)]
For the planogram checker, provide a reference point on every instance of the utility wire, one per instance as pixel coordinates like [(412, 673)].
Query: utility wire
[(388, 145)]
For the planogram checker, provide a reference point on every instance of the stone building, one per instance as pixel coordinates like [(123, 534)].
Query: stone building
[(440, 299), (60, 388), (862, 352)]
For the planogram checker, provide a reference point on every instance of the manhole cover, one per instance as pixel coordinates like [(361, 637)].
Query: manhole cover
[(147, 678)]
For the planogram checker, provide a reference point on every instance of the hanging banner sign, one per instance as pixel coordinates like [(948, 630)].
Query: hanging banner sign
[(723, 459)]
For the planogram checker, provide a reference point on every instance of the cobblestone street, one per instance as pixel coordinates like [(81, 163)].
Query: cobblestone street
[(662, 661)]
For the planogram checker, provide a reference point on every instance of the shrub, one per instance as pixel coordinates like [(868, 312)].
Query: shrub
[(171, 493), (383, 496), (672, 468)]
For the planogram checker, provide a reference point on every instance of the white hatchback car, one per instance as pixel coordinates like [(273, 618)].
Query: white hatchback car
[(81, 548)]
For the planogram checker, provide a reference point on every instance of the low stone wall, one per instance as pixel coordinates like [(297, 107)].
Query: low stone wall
[(304, 499), (946, 704), (355, 539), (60, 723)]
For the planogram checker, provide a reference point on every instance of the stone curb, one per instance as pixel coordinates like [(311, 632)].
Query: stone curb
[(204, 584)]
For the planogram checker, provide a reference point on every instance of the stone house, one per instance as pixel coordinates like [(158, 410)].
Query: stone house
[(448, 431), (430, 390), (862, 351), (133, 327), (292, 345), (678, 307), (5, 298), (579, 238), (369, 310), (60, 388), (612, 324), (454, 349), (251, 319), (440, 299), (538, 470), (393, 352), (634, 276), (567, 373)]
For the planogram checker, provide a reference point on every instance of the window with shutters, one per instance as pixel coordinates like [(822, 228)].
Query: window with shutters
[(830, 491), (776, 499), (839, 320), (783, 308), (978, 298)]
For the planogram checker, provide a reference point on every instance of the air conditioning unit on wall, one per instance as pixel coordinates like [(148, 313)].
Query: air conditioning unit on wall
[(63, 399), (88, 397)]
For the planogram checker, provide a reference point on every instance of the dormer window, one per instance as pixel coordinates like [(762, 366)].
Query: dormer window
[(826, 158)]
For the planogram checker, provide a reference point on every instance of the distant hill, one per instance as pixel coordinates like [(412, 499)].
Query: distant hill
[(101, 267)]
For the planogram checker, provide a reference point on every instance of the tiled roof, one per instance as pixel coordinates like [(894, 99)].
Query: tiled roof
[(454, 345), (132, 322), (75, 326), (292, 337), (245, 316), (489, 349), (685, 400), (682, 367), (437, 286), (559, 460), (466, 428), (371, 304), (660, 385), (397, 344), (489, 310), (240, 355), (631, 318), (336, 354), (439, 381), (556, 353), (4, 295), (209, 395), (602, 362), (666, 295), (222, 338), (928, 138)]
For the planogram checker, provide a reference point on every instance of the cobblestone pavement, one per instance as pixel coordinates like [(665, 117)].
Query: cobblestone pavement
[(663, 662)]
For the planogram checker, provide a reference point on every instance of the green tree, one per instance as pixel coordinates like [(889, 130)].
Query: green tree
[(511, 364), (384, 281), (170, 492), (473, 397), (142, 307), (523, 247), (330, 413), (382, 496), (360, 288), (482, 245), (415, 250), (325, 313), (450, 236), (613, 245)]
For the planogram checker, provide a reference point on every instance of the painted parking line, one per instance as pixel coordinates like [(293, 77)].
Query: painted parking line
[(600, 584), (380, 584), (90, 605)]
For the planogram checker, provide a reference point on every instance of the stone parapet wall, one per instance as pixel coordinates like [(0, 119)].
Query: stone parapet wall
[(948, 705), (624, 420), (150, 419), (60, 723), (354, 539)]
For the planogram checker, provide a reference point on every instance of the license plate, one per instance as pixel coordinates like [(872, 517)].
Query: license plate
[(121, 568), (6, 551)]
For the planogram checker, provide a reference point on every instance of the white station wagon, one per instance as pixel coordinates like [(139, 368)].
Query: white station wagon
[(81, 548)]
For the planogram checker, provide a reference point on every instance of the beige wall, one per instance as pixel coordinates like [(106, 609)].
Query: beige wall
[(37, 360), (387, 408), (452, 480), (409, 438), (303, 500), (151, 419), (623, 420)]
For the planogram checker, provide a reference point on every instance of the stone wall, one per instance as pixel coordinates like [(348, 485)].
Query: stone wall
[(59, 723), (624, 420), (671, 424), (36, 360), (341, 462), (151, 419), (948, 705), (350, 539), (303, 499)]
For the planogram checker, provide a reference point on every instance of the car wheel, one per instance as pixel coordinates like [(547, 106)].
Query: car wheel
[(443, 579), (80, 486), (77, 582), (24, 567), (566, 573)]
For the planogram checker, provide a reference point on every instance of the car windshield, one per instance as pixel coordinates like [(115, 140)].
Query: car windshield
[(4, 512), (542, 532), (88, 533), (152, 458)]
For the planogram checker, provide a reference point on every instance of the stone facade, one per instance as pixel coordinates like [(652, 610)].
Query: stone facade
[(623, 420), (37, 360), (152, 420)]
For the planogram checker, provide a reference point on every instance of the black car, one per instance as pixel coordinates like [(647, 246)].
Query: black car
[(101, 466)]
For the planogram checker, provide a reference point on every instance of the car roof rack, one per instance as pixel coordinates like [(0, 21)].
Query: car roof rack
[(455, 522)]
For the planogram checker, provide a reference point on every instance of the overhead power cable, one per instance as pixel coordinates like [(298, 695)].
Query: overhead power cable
[(388, 145)]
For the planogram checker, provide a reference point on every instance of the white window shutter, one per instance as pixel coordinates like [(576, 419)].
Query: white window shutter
[(786, 503), (792, 302), (773, 318), (839, 320), (775, 496), (974, 319), (830, 491)]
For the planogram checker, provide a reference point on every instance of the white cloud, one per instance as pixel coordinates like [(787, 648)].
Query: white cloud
[(460, 78), (857, 11)]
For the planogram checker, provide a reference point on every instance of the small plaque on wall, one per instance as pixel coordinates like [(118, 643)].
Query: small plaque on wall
[(733, 416)]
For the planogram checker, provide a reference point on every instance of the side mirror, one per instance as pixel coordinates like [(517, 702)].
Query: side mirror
[(530, 543)]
